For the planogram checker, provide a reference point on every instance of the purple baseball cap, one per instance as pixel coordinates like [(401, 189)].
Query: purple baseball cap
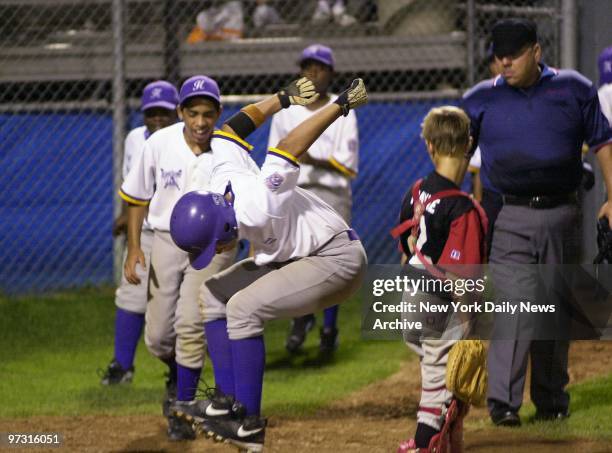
[(605, 66), (200, 85), (320, 53), (159, 94)]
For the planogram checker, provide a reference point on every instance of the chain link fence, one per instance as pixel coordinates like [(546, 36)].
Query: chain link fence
[(71, 74)]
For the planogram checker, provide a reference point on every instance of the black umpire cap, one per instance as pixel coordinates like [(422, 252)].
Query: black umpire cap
[(510, 36)]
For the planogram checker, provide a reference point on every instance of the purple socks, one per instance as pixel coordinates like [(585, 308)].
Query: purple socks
[(220, 353), (186, 382), (128, 328), (330, 316), (249, 356)]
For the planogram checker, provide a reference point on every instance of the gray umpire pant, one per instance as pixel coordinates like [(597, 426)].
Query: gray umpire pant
[(525, 237), (174, 324), (248, 295)]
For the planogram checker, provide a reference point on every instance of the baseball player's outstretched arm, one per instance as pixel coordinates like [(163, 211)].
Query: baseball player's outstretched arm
[(243, 123), (305, 134), (136, 215)]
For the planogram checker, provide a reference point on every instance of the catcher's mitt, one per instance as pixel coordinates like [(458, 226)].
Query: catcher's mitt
[(604, 242), (466, 372)]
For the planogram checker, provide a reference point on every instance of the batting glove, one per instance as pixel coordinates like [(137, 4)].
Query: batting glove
[(298, 92), (355, 96)]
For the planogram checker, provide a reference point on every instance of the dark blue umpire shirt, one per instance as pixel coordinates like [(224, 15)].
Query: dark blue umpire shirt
[(531, 139)]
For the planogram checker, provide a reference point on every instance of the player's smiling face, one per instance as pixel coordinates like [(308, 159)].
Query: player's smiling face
[(200, 116), (320, 74)]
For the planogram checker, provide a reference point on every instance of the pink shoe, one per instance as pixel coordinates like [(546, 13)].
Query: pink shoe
[(408, 446)]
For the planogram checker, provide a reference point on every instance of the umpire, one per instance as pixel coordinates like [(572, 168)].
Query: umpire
[(530, 123)]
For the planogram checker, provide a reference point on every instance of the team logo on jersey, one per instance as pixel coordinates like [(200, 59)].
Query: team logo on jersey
[(455, 254), (170, 178), (274, 181)]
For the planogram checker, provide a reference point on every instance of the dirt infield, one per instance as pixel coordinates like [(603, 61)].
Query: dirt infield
[(374, 419)]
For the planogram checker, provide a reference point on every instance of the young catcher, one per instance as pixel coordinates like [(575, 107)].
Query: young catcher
[(442, 233), (306, 257)]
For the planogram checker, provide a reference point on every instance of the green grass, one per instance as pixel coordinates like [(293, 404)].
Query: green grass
[(52, 346)]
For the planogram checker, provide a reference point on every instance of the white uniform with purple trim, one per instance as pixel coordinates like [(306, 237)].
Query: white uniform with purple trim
[(338, 145), (305, 256), (162, 174), (605, 100), (133, 298)]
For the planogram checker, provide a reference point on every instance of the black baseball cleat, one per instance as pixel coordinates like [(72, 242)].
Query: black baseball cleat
[(299, 329), (247, 434), (199, 412), (507, 418), (115, 374), (329, 339), (551, 416), (180, 429)]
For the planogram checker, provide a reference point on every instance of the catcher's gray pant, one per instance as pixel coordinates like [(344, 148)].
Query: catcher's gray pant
[(432, 344), (130, 297), (173, 321), (525, 237), (337, 197), (248, 295)]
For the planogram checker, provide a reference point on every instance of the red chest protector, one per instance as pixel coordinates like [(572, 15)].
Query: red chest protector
[(414, 223)]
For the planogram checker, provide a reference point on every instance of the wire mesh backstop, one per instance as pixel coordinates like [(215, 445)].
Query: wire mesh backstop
[(71, 73)]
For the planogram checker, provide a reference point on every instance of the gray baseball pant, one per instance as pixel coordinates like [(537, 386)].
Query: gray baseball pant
[(173, 322), (523, 238), (248, 295), (133, 298)]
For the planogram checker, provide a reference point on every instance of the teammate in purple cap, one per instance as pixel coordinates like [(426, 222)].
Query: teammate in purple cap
[(164, 172), (158, 105), (327, 170), (605, 82)]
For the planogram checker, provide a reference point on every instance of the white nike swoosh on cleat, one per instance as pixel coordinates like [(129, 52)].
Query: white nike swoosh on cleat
[(212, 412), (244, 433)]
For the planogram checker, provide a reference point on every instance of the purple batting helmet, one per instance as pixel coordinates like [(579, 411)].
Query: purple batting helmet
[(200, 220)]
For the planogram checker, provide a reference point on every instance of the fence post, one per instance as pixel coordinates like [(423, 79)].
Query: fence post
[(568, 34), (119, 122), (470, 42), (172, 59)]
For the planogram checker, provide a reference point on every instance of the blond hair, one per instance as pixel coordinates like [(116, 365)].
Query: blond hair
[(447, 129)]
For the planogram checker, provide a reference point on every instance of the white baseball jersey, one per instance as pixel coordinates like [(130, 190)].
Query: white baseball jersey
[(476, 160), (279, 219), (132, 149), (338, 144), (605, 100), (163, 173)]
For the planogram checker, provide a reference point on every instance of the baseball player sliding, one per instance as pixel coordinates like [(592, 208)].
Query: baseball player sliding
[(306, 258), (158, 105), (162, 174)]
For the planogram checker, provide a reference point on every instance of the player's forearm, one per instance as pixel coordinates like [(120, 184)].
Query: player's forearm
[(136, 215), (252, 116), (304, 135), (604, 156)]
